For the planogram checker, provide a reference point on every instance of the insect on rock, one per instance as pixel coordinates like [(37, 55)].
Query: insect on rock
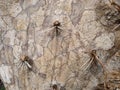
[(57, 25), (54, 87), (27, 62), (50, 33), (56, 30)]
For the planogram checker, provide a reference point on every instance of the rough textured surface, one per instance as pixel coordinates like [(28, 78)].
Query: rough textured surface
[(85, 55)]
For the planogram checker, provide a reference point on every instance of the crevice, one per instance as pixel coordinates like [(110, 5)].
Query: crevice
[(2, 87)]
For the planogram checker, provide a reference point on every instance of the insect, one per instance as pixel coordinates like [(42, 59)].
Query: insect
[(96, 59), (26, 61), (43, 75), (117, 21), (54, 87), (57, 25), (56, 30)]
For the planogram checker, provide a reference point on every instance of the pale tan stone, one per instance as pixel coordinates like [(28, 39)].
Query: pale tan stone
[(28, 3), (38, 17), (9, 37), (27, 29), (105, 41), (21, 22), (14, 9)]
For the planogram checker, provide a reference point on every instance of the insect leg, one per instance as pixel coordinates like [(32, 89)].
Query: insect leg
[(28, 65), (20, 65)]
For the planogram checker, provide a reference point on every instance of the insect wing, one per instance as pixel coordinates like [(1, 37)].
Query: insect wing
[(28, 64)]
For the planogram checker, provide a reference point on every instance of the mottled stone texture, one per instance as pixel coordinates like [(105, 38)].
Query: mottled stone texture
[(84, 54)]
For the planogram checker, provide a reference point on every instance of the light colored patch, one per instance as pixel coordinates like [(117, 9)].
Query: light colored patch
[(89, 27), (10, 35), (28, 3), (105, 41), (38, 17), (17, 51), (15, 9), (21, 38), (21, 22), (5, 72)]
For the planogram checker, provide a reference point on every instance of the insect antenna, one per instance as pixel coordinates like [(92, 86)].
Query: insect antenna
[(27, 62)]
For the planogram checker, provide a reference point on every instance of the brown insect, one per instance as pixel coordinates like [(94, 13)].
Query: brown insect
[(50, 33), (54, 87), (96, 59), (57, 30), (26, 61)]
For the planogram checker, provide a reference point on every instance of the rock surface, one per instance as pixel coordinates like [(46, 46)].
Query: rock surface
[(82, 55)]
